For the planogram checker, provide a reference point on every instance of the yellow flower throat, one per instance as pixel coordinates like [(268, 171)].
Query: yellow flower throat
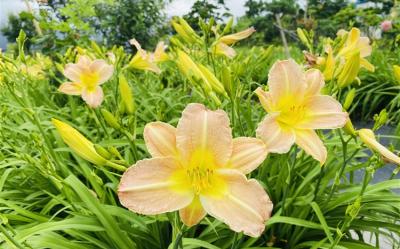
[(90, 80), (292, 115), (199, 175)]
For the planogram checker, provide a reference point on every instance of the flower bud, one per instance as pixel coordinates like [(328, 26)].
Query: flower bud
[(110, 119), (102, 151), (348, 128), (96, 47), (211, 79), (228, 25), (78, 143), (126, 95), (349, 99), (227, 79), (185, 31), (396, 72), (380, 119), (303, 38), (114, 152), (367, 136), (350, 70)]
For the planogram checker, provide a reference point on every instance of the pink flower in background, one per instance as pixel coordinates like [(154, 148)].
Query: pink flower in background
[(386, 25)]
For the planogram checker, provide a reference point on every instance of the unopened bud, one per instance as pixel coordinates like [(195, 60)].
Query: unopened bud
[(126, 95), (102, 151), (110, 119), (349, 99), (380, 119)]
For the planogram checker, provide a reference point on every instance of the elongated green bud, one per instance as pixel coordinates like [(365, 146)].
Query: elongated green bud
[(227, 79), (102, 151), (114, 152), (96, 47), (380, 119), (228, 25), (126, 95), (349, 99), (349, 128), (110, 119), (303, 38)]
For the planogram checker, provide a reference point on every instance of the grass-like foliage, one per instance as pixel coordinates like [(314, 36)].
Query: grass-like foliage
[(53, 197)]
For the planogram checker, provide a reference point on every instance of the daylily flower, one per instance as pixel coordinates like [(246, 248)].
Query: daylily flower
[(357, 44), (87, 76), (233, 38), (144, 60), (221, 45), (368, 137), (197, 168), (221, 48), (296, 108)]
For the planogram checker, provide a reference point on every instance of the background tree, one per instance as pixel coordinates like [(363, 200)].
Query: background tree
[(206, 9)]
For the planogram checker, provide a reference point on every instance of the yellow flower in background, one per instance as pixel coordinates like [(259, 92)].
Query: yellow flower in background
[(396, 72), (355, 43), (86, 78), (222, 49), (233, 38), (198, 168), (367, 136), (78, 143), (144, 60), (222, 45), (296, 108)]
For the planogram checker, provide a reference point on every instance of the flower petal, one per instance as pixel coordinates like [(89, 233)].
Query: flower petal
[(309, 141), (104, 70), (367, 65), (364, 46), (244, 207), (265, 99), (93, 98), (276, 138), (73, 72), (70, 88), (203, 129), (160, 139), (285, 80), (247, 154), (147, 188), (84, 61), (192, 214), (315, 81), (323, 112)]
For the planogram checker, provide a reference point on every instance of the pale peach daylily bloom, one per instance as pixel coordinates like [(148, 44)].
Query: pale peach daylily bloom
[(296, 108), (368, 137), (144, 60), (221, 48), (86, 77), (233, 38), (197, 168)]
